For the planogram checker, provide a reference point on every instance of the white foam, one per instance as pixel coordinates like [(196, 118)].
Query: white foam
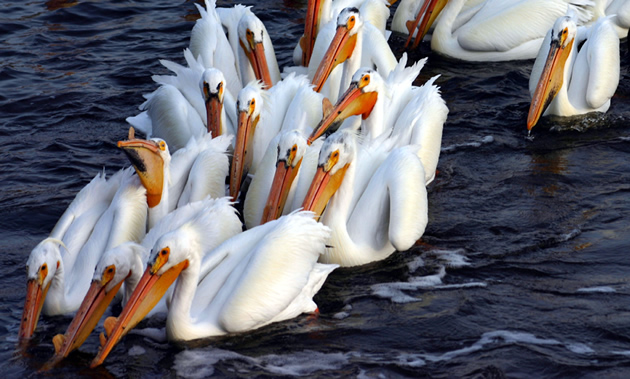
[(415, 264), (198, 363), (579, 348), (344, 313), (452, 258), (569, 236), (457, 146), (602, 289), (136, 350)]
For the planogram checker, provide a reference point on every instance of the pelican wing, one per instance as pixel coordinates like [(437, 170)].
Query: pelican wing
[(492, 27)]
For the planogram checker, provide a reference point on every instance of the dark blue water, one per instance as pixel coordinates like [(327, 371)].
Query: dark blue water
[(523, 270)]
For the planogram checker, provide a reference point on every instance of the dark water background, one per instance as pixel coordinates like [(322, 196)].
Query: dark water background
[(524, 269)]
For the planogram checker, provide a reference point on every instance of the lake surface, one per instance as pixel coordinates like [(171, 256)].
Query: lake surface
[(523, 270)]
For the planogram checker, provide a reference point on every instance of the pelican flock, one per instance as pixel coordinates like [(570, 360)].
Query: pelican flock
[(253, 184)]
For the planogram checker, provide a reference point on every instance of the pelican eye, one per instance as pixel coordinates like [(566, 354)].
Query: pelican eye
[(44, 267), (163, 252), (294, 148), (162, 145), (110, 270)]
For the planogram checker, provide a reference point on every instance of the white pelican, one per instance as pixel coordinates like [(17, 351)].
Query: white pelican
[(369, 222), (263, 275), (189, 175), (251, 45), (168, 115), (618, 8), (394, 111), (378, 101), (125, 264), (321, 12), (287, 148), (58, 280), (261, 115), (495, 30), (205, 89), (568, 79), (353, 43), (209, 43)]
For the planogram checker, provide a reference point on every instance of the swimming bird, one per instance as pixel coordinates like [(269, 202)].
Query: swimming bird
[(261, 115), (571, 78), (263, 275), (394, 111), (189, 175), (375, 202), (285, 150), (103, 215), (205, 89), (210, 45), (321, 12), (494, 30), (125, 264), (352, 43)]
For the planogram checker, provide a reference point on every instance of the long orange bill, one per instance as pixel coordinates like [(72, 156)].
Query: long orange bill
[(323, 187), (353, 102), (411, 26), (213, 114), (311, 28), (282, 181), (92, 308), (149, 166), (428, 20), (549, 83), (340, 49), (258, 60), (147, 294), (33, 304), (242, 158)]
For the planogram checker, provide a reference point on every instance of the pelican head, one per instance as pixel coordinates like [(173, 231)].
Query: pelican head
[(118, 265), (212, 85), (249, 107), (291, 149), (342, 46), (335, 156), (41, 267), (559, 41), (359, 99), (172, 254), (149, 158), (251, 32)]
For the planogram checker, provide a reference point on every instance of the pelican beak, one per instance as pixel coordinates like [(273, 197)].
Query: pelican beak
[(353, 102), (150, 289), (145, 158), (323, 187), (550, 81), (214, 106), (242, 158), (256, 55), (311, 28), (92, 308), (429, 12), (282, 181), (340, 49), (33, 304)]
